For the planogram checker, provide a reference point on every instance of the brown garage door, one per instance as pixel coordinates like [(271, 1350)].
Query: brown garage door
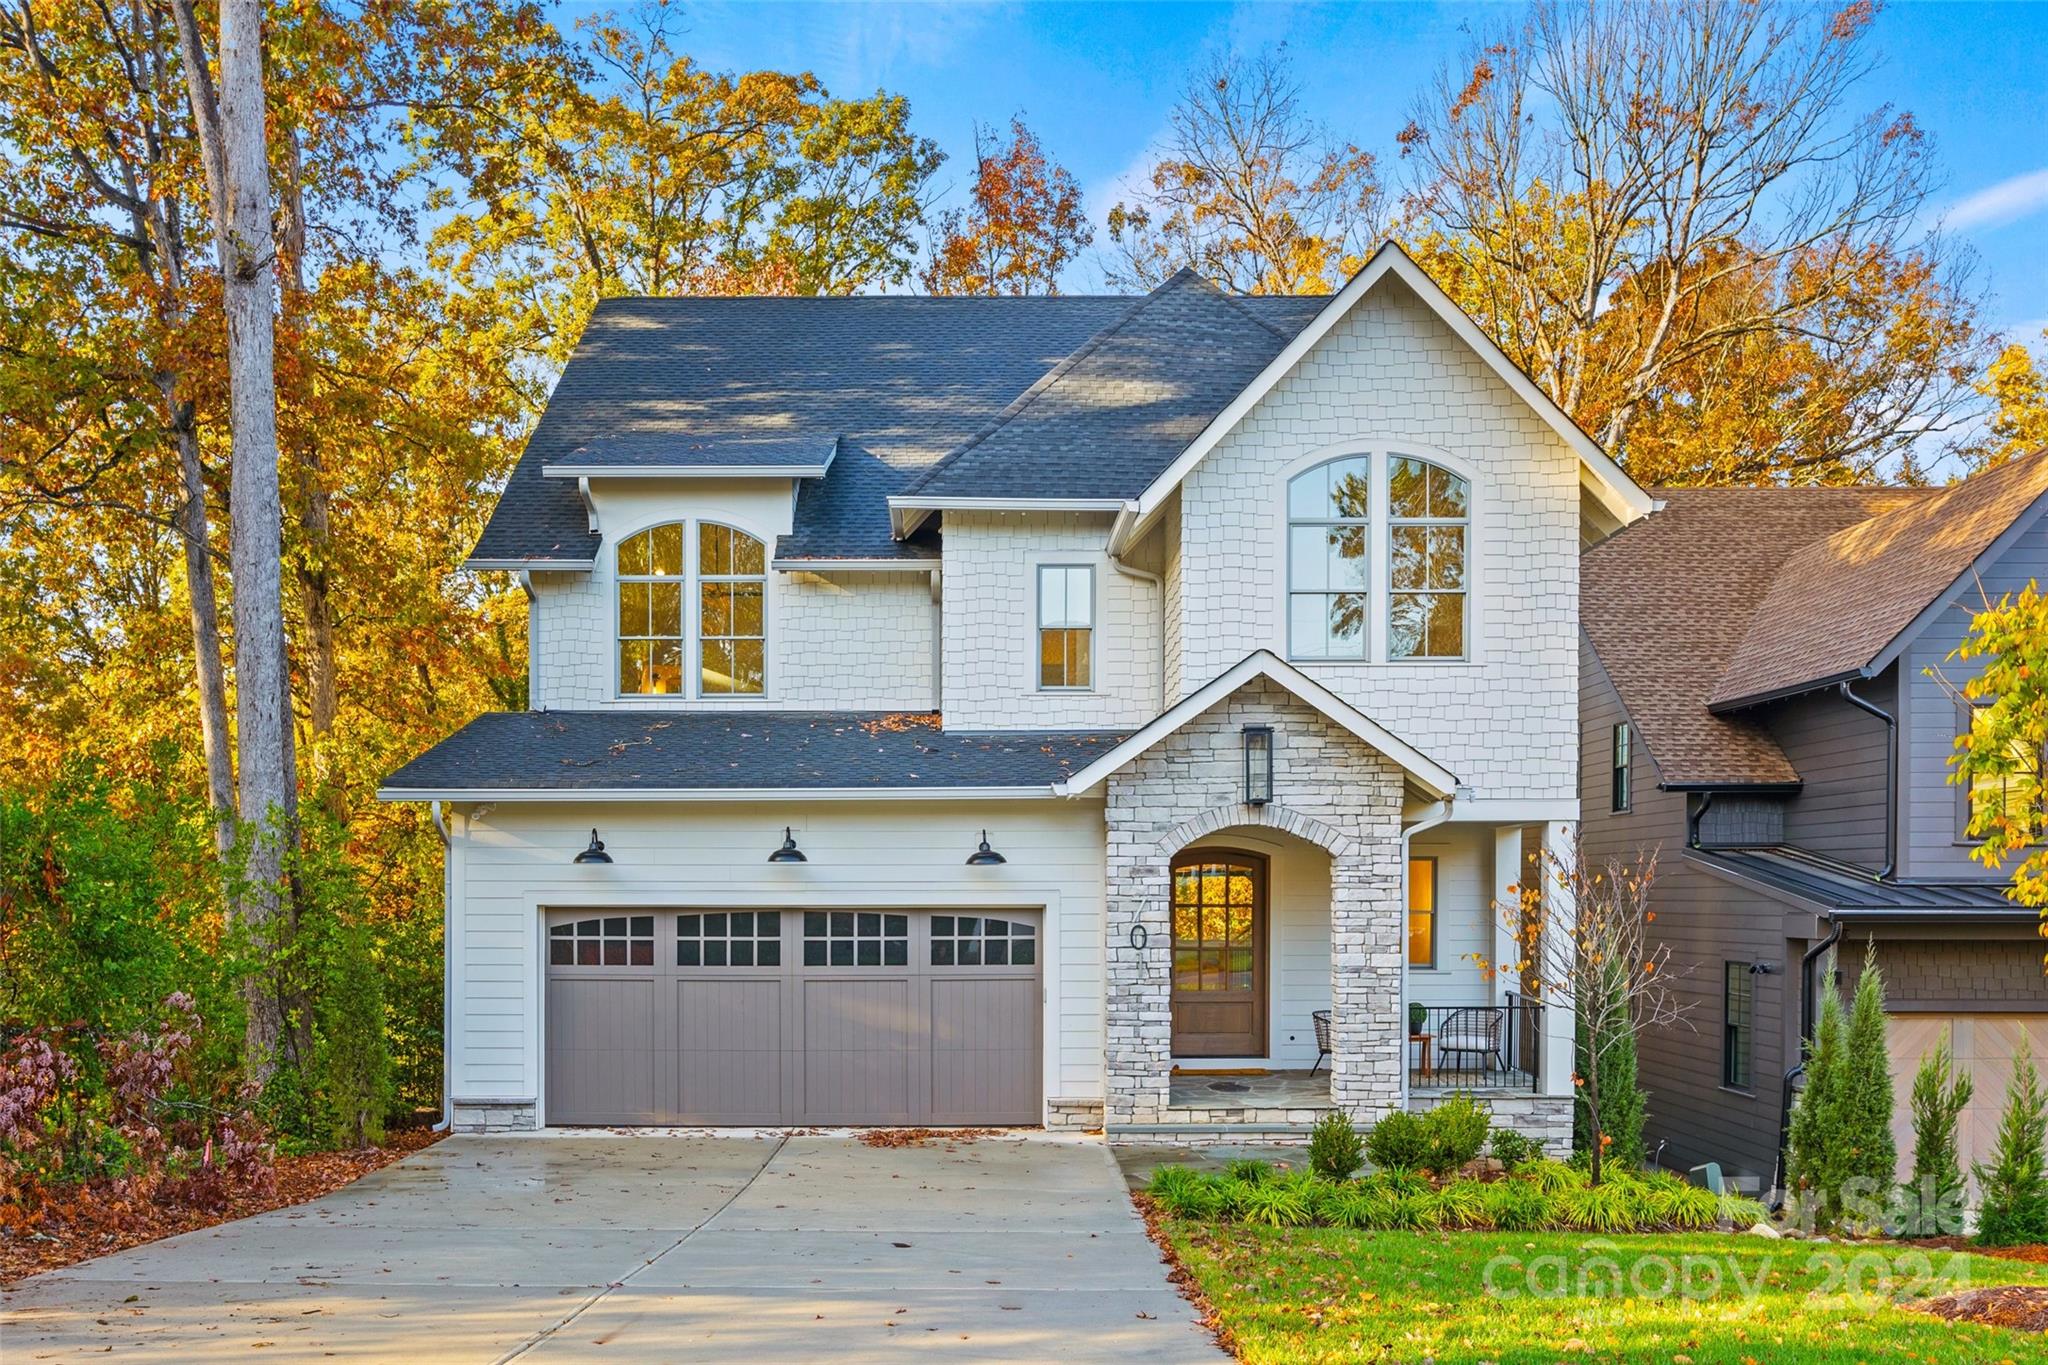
[(792, 1016)]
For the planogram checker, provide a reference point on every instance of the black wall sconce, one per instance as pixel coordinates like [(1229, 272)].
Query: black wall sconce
[(985, 856), (789, 852), (1258, 764), (595, 853)]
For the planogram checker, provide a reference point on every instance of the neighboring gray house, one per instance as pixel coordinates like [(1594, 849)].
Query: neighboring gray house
[(1762, 703), (1004, 710)]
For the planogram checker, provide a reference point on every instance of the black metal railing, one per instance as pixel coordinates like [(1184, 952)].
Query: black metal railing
[(1476, 1047)]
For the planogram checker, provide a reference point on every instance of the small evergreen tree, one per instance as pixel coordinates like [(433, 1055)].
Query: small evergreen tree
[(2014, 1186), (1622, 1112), (1931, 1204), (1816, 1113), (1869, 1157), (1334, 1148)]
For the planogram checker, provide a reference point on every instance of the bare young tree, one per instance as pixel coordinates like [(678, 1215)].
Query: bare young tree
[(1641, 198), (1250, 193), (232, 139), (1582, 938)]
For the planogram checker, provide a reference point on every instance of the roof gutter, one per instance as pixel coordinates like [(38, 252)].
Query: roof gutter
[(1891, 777)]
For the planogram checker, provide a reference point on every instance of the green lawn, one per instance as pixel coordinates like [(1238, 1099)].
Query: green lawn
[(1323, 1294)]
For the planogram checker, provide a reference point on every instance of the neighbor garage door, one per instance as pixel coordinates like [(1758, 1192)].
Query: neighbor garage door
[(792, 1016)]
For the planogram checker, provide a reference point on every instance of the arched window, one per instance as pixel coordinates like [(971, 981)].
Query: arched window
[(1428, 516), (731, 638), (1328, 576), (651, 611)]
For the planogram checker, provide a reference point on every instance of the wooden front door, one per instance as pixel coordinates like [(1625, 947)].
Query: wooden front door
[(1219, 954)]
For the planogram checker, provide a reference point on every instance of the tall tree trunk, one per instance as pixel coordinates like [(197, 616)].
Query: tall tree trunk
[(311, 565), (232, 143), (204, 601)]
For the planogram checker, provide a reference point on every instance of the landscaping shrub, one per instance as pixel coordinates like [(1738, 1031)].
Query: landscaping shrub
[(1931, 1203), (1518, 1206), (1511, 1148), (1622, 1104), (1283, 1202), (1462, 1204), (1812, 1139), (1334, 1151), (1552, 1177), (1615, 1205), (2014, 1187), (1398, 1142), (1184, 1192), (1869, 1160), (1454, 1132), (1251, 1172)]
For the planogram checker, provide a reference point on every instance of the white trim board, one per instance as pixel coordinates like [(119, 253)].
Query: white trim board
[(641, 795)]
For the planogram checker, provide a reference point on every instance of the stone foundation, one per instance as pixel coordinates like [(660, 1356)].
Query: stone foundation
[(1073, 1115), (495, 1116), (1546, 1118)]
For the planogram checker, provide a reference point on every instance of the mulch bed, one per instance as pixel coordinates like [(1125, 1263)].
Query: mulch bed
[(917, 1137), (2021, 1307), (2034, 1252), (96, 1222)]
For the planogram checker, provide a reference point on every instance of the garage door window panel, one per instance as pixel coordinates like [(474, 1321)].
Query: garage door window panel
[(856, 938), (603, 941), (982, 941), (729, 938)]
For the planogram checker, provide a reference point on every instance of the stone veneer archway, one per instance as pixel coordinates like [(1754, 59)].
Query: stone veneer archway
[(1330, 789)]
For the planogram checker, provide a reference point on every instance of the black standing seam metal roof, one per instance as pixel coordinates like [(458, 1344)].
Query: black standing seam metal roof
[(570, 751), (1852, 894), (899, 381)]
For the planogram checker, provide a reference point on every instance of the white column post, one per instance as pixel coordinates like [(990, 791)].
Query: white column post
[(1504, 948), (1559, 1019)]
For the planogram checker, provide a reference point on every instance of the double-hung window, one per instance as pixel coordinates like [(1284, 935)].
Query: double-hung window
[(1066, 626), (1428, 515), (1623, 743), (1994, 796), (1738, 1020)]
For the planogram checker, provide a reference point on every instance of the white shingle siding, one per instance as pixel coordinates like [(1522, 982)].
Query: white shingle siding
[(1390, 373), (991, 626), (852, 642)]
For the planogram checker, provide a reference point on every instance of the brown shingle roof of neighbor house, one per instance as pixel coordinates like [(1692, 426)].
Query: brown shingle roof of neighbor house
[(1667, 601), (1837, 605)]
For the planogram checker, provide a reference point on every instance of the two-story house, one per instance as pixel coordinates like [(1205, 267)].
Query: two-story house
[(1770, 704), (1023, 710)]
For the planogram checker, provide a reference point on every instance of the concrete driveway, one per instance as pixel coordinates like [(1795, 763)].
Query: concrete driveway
[(676, 1247)]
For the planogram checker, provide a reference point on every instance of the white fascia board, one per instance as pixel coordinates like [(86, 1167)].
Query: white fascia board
[(1621, 494), (1424, 771), (912, 502), (1509, 811), (644, 795), (694, 471), (829, 566), (529, 565)]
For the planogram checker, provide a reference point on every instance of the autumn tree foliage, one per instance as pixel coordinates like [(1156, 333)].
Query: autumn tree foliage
[(1021, 226), (2019, 414), (1248, 191), (1680, 220)]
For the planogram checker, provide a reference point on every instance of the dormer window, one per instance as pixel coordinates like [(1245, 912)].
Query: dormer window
[(651, 612), (730, 586)]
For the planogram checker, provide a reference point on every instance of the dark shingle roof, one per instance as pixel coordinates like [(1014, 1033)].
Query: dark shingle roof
[(1113, 415), (1837, 604), (1855, 894), (900, 381), (568, 751), (1666, 603), (641, 450)]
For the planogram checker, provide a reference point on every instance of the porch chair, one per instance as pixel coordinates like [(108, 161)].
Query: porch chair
[(1321, 1019), (1475, 1031)]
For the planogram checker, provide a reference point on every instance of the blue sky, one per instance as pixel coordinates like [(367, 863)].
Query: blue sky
[(1096, 80)]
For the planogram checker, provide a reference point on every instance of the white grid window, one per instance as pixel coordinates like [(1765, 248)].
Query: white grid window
[(1066, 625), (1328, 576)]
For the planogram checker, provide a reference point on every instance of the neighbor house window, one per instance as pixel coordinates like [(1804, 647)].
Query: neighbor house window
[(1623, 742), (1328, 575), (1993, 795), (1422, 912), (651, 611), (732, 584), (1066, 625), (1428, 515), (1738, 1018)]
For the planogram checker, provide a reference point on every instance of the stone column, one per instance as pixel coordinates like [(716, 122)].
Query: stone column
[(1368, 1039), (1138, 1027)]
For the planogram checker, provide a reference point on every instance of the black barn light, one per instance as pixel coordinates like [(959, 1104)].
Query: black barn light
[(789, 852), (1258, 764), (985, 856), (595, 853)]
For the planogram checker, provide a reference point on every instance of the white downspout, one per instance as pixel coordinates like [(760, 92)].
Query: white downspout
[(447, 970), (1432, 816), (1159, 584)]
